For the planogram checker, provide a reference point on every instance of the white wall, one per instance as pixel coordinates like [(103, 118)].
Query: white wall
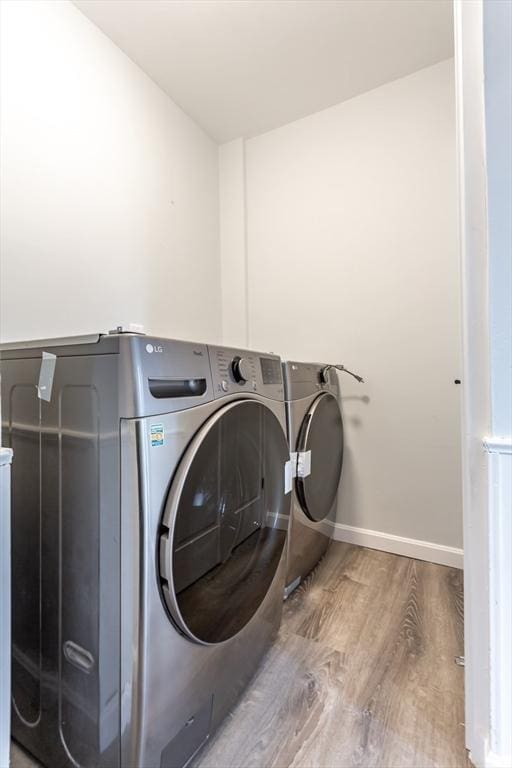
[(233, 245), (109, 191), (352, 257)]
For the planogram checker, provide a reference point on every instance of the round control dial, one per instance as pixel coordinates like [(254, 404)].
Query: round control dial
[(241, 370)]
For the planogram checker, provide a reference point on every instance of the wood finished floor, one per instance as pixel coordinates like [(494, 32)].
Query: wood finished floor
[(363, 672)]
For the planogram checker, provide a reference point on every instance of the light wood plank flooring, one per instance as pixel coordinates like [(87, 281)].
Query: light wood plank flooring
[(362, 674)]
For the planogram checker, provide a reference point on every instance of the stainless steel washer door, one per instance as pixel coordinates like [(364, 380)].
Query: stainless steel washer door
[(322, 434), (225, 522)]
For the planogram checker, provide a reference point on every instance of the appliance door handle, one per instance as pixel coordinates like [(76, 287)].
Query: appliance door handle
[(169, 388)]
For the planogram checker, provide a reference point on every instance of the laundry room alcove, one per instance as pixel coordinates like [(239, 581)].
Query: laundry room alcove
[(238, 233)]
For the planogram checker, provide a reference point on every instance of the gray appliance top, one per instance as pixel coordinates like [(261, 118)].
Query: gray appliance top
[(35, 344), (304, 379), (157, 375)]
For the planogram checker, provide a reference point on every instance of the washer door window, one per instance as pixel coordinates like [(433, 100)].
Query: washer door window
[(322, 434), (225, 522)]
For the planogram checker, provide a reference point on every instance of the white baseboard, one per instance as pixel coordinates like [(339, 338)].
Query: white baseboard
[(399, 545)]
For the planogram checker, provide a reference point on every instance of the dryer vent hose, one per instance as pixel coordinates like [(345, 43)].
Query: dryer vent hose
[(339, 367)]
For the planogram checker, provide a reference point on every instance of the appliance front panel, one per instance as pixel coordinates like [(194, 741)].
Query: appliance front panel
[(167, 678), (307, 539)]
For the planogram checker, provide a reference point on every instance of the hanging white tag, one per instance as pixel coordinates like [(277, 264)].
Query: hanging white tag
[(293, 459), (46, 372), (288, 477), (304, 464)]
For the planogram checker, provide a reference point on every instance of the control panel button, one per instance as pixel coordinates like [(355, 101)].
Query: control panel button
[(224, 385), (241, 370)]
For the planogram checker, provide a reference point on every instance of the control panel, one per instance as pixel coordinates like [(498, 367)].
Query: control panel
[(235, 371), (304, 379)]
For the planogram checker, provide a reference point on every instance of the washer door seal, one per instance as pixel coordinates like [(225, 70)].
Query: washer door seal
[(225, 522), (321, 433)]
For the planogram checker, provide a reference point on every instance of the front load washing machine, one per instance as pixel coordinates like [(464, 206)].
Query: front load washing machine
[(315, 434), (150, 507)]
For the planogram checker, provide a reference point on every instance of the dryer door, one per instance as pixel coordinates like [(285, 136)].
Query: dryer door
[(225, 522), (321, 440)]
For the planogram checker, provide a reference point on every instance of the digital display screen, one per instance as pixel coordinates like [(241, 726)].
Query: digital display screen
[(270, 370)]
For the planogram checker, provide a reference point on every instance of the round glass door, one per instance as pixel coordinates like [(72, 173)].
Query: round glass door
[(225, 522), (322, 434)]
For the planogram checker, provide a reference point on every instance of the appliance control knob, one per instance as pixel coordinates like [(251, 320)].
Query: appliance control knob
[(241, 370)]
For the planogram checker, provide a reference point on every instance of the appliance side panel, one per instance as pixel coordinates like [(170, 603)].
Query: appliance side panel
[(5, 604), (86, 410), (65, 515), (110, 564), (79, 571), (21, 429)]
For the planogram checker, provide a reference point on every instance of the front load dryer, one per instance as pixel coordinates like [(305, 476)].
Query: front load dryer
[(315, 434), (150, 506)]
